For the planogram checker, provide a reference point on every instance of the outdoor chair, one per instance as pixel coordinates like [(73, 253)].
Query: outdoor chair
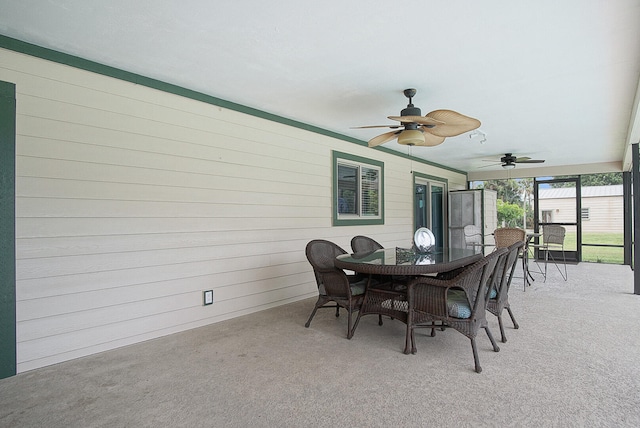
[(499, 290), (507, 236), (472, 235), (474, 239), (364, 244), (334, 285), (552, 240), (458, 303)]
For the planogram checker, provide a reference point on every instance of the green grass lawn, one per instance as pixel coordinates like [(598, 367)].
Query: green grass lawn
[(598, 254)]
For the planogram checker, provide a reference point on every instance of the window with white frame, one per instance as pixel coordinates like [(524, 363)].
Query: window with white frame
[(357, 190), (547, 216)]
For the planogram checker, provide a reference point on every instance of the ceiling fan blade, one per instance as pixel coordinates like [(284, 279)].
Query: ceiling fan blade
[(430, 140), (377, 126), (383, 138), (494, 164), (422, 120), (529, 160), (453, 124)]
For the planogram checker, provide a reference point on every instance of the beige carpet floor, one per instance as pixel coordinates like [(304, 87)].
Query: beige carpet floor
[(575, 361)]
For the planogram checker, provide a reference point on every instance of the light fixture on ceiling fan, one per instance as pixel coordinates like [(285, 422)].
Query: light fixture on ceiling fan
[(429, 130)]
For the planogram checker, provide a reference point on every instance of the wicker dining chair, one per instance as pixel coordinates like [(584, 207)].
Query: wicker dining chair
[(364, 244), (499, 289), (458, 303), (334, 285), (507, 236)]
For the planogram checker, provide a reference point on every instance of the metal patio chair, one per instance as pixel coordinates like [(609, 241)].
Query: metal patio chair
[(552, 240)]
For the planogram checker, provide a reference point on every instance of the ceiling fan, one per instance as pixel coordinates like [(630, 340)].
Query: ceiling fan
[(429, 130), (509, 161)]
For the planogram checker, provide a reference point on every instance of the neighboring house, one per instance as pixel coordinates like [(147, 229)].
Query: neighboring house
[(602, 207), (134, 196)]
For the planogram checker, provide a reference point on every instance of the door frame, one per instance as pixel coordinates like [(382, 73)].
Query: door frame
[(429, 180), (571, 255), (7, 230)]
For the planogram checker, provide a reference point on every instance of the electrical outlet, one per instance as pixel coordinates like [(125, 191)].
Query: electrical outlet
[(208, 297)]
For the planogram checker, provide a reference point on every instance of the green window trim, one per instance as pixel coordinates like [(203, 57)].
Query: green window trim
[(340, 159), (418, 175)]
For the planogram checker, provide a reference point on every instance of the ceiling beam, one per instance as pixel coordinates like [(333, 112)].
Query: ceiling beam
[(549, 171)]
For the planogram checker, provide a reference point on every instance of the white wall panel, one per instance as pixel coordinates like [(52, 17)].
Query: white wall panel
[(131, 201)]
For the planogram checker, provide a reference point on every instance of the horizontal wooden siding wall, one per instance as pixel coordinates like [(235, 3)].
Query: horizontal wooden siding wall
[(130, 202)]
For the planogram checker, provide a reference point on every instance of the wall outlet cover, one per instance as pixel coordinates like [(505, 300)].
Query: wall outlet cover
[(208, 297)]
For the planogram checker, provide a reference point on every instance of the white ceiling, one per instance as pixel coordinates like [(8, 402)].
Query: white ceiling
[(550, 79)]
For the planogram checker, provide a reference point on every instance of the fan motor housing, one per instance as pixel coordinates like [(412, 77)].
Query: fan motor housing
[(508, 158), (410, 110)]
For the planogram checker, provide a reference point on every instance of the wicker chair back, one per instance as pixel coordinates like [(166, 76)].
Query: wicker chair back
[(506, 236), (364, 244), (553, 234)]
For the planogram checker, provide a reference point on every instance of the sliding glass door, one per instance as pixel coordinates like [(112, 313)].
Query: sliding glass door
[(430, 206)]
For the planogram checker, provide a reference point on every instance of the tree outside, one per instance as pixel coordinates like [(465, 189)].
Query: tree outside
[(515, 201), (509, 215)]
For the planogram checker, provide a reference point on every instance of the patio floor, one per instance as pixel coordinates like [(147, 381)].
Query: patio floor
[(575, 361)]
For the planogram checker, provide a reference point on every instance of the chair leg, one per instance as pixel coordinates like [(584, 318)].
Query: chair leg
[(349, 330), (564, 260), (493, 342), (539, 268), (413, 342), (475, 355), (319, 303), (313, 313), (513, 319), (355, 325), (503, 336)]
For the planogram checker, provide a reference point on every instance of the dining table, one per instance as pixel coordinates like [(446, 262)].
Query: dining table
[(407, 261), (381, 299)]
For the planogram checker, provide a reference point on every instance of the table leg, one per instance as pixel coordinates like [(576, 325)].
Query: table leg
[(525, 267)]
